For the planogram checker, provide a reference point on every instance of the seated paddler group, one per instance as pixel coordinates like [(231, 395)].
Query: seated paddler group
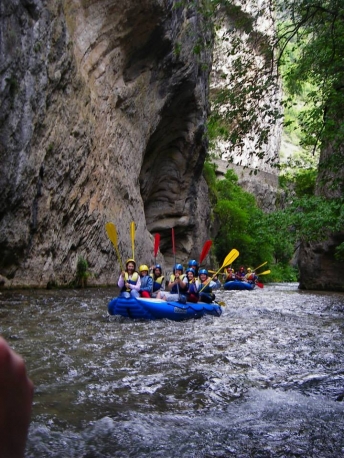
[(195, 285)]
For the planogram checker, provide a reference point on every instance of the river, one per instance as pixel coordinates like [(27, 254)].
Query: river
[(266, 379)]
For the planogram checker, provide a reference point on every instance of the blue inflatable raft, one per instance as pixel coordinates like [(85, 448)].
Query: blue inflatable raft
[(238, 285), (153, 309)]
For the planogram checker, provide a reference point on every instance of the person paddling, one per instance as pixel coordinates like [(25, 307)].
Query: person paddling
[(146, 282), (192, 294), (129, 280), (230, 276), (206, 286), (251, 277), (193, 264), (176, 286), (158, 280), (240, 274)]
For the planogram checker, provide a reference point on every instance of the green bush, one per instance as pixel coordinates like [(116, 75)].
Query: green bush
[(82, 272)]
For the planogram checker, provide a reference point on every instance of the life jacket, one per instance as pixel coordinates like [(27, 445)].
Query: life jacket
[(157, 282), (132, 280), (192, 294), (175, 288), (230, 277), (146, 282), (172, 277), (251, 278), (206, 295), (205, 289)]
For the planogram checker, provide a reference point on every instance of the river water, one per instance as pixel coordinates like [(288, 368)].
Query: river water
[(266, 379)]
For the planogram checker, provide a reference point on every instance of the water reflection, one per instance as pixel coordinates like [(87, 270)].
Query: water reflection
[(265, 379)]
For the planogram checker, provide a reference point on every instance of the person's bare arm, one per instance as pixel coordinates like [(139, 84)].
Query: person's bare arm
[(16, 393)]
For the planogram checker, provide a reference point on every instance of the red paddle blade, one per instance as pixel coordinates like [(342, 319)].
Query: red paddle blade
[(156, 244), (206, 247), (173, 245), (260, 285)]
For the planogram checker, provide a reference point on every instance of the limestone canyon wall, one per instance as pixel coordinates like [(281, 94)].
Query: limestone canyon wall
[(319, 269), (103, 107)]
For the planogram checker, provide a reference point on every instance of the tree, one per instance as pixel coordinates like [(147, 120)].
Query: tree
[(238, 217)]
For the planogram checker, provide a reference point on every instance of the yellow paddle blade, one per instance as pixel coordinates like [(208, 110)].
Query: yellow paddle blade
[(112, 233), (266, 272), (221, 303), (231, 256), (132, 235), (260, 266)]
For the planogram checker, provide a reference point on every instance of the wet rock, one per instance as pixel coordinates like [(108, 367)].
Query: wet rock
[(103, 113)]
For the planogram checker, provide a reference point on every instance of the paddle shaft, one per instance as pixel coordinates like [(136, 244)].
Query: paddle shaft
[(260, 266), (231, 256), (174, 254), (132, 235)]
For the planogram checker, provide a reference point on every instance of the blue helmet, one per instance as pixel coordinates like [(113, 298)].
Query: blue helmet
[(158, 266), (178, 267), (190, 270), (192, 263), (203, 271)]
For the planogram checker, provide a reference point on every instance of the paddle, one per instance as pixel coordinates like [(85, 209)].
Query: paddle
[(156, 245), (205, 250), (231, 257), (174, 254), (260, 266), (132, 235), (173, 246), (112, 234), (266, 272)]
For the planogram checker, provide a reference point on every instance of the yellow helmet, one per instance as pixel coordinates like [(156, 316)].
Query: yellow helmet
[(249, 269), (143, 267), (130, 260)]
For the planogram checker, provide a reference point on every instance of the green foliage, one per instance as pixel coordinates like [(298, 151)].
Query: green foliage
[(316, 32), (300, 181), (282, 273), (307, 219), (177, 49), (339, 255), (210, 177), (82, 272), (273, 237), (238, 218), (309, 51), (305, 182)]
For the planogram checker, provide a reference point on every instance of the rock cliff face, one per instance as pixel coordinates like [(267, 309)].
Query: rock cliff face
[(263, 185), (256, 174), (319, 269), (103, 106)]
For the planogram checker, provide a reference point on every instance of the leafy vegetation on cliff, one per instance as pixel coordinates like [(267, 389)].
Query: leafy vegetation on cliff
[(272, 237), (307, 49)]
